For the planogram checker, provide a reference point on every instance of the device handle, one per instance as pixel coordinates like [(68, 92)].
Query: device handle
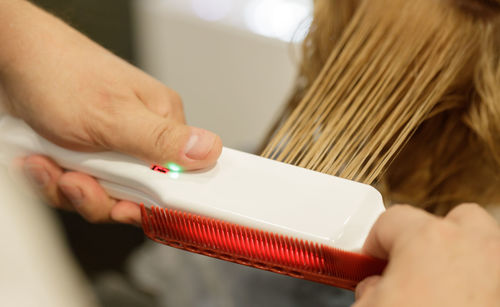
[(110, 168)]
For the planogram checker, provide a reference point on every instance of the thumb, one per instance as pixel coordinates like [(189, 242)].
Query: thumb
[(159, 140)]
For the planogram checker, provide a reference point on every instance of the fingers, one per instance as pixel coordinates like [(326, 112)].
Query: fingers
[(390, 226), (79, 192), (153, 138), (399, 220), (44, 174), (86, 196), (91, 201)]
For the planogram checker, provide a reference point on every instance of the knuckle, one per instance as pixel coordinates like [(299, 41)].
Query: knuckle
[(464, 210), (468, 207), (168, 103), (163, 109), (174, 97), (175, 101)]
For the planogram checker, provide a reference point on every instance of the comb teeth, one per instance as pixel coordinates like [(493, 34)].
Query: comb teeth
[(259, 249)]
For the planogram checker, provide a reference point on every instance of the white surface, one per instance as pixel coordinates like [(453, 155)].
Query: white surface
[(232, 80), (241, 188), (36, 268)]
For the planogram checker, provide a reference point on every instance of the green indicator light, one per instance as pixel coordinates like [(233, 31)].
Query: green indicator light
[(173, 167), (173, 175)]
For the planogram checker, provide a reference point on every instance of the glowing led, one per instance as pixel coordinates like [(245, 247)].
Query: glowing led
[(173, 175), (173, 167)]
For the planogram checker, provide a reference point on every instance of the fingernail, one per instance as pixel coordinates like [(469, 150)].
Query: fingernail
[(37, 174), (74, 194), (199, 144)]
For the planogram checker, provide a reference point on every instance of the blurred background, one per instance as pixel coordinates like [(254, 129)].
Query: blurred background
[(233, 63)]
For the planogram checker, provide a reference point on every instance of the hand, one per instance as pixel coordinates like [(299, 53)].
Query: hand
[(451, 261), (80, 96)]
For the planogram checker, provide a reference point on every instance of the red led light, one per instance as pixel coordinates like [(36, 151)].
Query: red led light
[(159, 168)]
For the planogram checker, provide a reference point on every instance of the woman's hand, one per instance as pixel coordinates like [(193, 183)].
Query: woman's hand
[(451, 261), (82, 97)]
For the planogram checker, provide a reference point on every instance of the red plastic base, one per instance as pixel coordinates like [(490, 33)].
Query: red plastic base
[(259, 249)]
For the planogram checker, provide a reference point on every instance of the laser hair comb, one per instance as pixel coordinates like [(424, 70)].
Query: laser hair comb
[(246, 209)]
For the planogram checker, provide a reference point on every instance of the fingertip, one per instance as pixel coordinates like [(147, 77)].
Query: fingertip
[(184, 161), (216, 150), (159, 140), (202, 150), (200, 144)]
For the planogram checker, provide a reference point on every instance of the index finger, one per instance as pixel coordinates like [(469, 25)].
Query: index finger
[(391, 226)]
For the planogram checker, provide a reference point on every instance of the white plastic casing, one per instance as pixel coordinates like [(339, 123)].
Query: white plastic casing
[(241, 188)]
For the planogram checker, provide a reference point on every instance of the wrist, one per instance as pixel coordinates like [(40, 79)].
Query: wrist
[(24, 29), (11, 14)]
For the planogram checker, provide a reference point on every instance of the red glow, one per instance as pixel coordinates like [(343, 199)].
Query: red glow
[(159, 169), (259, 249)]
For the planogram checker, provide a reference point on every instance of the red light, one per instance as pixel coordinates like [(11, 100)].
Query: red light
[(159, 168)]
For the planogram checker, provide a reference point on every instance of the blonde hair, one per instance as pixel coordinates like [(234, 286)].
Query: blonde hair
[(401, 94)]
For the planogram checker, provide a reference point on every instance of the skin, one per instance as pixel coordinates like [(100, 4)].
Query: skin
[(433, 261), (82, 97)]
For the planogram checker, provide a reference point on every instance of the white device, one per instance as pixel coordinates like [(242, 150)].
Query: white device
[(241, 188)]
